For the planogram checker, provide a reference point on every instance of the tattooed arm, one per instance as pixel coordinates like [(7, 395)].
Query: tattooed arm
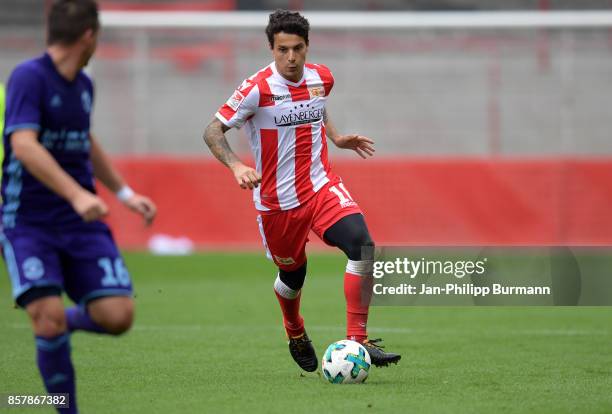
[(214, 136)]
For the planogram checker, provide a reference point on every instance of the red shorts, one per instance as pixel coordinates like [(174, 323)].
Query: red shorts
[(285, 233)]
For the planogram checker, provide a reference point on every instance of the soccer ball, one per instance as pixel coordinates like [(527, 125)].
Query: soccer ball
[(346, 362)]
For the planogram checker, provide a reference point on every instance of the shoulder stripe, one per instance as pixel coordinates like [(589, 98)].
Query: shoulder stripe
[(254, 80), (265, 94)]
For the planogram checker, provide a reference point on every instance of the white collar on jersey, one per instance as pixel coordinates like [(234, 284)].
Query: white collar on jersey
[(285, 80)]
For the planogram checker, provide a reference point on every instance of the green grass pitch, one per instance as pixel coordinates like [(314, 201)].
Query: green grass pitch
[(208, 339)]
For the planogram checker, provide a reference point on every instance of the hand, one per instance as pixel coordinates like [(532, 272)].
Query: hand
[(363, 146), (246, 176), (143, 206), (89, 206)]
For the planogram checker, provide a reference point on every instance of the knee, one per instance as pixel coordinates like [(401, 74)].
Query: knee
[(48, 319), (361, 246), (293, 279), (366, 241), (116, 319), (360, 237), (121, 321)]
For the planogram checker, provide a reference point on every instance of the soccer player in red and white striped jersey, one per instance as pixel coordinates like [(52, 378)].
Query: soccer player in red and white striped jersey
[(294, 188)]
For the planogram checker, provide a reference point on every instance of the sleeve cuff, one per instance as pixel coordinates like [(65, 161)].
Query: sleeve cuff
[(227, 123), (223, 120), (12, 128)]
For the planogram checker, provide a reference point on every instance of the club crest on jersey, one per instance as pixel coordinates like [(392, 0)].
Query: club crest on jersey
[(316, 91), (235, 100), (56, 101), (286, 261), (33, 268)]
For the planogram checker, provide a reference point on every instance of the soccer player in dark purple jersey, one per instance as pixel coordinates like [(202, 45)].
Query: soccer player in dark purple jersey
[(53, 240)]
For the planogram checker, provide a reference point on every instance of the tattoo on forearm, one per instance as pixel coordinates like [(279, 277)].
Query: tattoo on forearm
[(216, 141)]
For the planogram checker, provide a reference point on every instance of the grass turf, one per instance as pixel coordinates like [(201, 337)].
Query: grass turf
[(208, 338)]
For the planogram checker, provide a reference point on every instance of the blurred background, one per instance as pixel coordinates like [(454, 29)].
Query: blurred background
[(495, 135)]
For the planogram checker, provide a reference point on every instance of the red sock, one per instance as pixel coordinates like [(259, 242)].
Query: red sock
[(293, 322), (357, 305)]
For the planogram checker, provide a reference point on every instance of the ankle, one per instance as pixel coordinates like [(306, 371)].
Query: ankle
[(357, 338)]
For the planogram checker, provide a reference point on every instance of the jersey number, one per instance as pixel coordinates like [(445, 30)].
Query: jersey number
[(344, 195), (116, 275)]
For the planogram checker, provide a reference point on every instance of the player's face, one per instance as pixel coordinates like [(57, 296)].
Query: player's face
[(289, 53)]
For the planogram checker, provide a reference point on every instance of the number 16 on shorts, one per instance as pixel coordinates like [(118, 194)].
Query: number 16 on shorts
[(115, 272)]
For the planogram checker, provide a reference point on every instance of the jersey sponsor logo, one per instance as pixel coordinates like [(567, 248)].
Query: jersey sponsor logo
[(86, 101), (299, 115), (66, 140), (285, 261), (316, 91), (235, 100), (33, 268), (56, 101), (275, 98)]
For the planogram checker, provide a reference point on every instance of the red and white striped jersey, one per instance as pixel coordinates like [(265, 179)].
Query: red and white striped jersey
[(286, 132)]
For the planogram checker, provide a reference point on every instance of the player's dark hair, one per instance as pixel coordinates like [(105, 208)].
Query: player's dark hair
[(287, 22), (69, 19)]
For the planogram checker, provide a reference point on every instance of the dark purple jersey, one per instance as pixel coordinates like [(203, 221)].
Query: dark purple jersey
[(39, 98)]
